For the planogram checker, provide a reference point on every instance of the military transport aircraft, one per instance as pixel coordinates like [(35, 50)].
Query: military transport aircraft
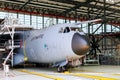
[(59, 45)]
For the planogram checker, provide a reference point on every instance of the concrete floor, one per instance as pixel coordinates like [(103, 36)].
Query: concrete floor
[(80, 73)]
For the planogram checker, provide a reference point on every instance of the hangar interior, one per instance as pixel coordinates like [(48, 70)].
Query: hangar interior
[(43, 13)]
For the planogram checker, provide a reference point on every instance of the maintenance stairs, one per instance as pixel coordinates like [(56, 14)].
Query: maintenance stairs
[(9, 26)]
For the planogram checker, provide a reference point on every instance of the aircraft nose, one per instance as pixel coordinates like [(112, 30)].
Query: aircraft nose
[(80, 44)]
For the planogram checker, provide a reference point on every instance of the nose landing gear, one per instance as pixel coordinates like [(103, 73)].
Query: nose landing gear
[(62, 69)]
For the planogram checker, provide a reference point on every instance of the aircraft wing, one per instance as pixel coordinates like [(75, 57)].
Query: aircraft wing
[(96, 20)]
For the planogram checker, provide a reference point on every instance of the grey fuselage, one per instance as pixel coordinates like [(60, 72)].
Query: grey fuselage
[(51, 45)]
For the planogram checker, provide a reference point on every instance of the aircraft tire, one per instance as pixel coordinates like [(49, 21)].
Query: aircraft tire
[(61, 69)]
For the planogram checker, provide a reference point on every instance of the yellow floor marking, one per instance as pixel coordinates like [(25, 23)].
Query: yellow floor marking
[(116, 74), (96, 72), (66, 72), (86, 70), (92, 76), (42, 75)]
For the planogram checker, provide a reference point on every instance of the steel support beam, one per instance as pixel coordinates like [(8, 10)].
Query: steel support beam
[(105, 27), (76, 7), (98, 28), (24, 4), (13, 6), (43, 22)]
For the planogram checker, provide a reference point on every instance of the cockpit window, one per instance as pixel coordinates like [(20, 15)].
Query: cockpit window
[(76, 29), (66, 30)]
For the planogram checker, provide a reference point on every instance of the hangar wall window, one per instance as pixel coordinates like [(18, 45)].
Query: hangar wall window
[(93, 28), (27, 19), (46, 21), (72, 21), (39, 22), (12, 14), (54, 20), (34, 21), (84, 27), (60, 21), (2, 14), (21, 18)]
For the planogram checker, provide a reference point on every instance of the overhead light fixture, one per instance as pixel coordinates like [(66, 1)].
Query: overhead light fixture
[(111, 1), (80, 0)]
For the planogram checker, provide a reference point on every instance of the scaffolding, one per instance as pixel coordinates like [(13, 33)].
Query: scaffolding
[(7, 26)]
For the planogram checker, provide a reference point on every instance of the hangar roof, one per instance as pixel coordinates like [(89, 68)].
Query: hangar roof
[(109, 10)]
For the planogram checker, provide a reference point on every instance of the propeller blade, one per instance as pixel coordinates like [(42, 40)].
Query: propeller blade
[(94, 46)]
